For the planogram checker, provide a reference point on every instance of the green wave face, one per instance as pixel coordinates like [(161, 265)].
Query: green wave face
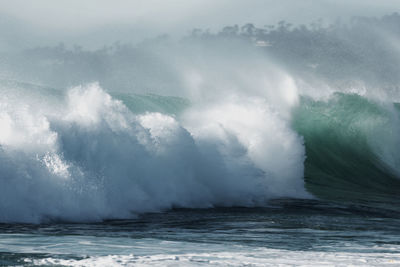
[(350, 148), (153, 103)]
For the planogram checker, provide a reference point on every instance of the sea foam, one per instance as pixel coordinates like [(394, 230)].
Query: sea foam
[(92, 159)]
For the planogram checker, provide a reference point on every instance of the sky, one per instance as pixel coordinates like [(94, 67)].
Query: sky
[(94, 23)]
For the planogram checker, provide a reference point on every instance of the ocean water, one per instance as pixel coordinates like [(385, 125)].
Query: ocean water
[(247, 147), (90, 178), (288, 232)]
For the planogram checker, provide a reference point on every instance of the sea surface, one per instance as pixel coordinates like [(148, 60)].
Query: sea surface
[(288, 232), (92, 178)]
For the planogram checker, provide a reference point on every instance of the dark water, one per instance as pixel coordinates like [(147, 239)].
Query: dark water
[(310, 228)]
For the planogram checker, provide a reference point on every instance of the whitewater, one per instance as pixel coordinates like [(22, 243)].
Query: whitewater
[(91, 158)]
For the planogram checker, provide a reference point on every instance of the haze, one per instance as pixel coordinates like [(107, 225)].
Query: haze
[(94, 23)]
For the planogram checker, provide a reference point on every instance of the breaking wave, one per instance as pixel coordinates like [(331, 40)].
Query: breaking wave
[(85, 156), (89, 155)]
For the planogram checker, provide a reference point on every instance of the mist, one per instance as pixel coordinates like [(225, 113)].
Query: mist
[(164, 48), (93, 24)]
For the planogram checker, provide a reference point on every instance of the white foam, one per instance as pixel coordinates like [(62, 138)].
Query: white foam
[(92, 159), (253, 257)]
